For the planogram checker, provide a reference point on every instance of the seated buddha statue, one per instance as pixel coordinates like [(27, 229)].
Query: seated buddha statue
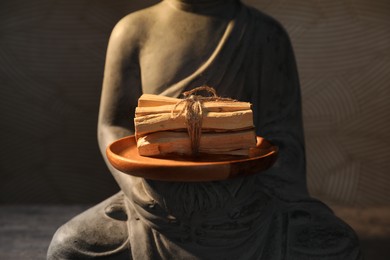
[(172, 47)]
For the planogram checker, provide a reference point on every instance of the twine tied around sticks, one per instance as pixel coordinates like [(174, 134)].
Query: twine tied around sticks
[(193, 113)]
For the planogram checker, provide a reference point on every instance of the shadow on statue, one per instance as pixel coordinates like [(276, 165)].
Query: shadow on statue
[(244, 54)]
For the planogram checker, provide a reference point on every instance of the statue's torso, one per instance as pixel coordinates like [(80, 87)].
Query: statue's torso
[(172, 50)]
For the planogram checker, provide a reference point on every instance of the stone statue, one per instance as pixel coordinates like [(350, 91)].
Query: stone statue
[(244, 54)]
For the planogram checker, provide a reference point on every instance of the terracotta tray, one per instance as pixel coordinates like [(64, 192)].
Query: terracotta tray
[(123, 155)]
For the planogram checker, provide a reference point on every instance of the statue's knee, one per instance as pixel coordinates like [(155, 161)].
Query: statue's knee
[(319, 233), (60, 246), (104, 239), (99, 232)]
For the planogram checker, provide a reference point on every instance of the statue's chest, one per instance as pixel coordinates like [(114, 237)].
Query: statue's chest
[(172, 53)]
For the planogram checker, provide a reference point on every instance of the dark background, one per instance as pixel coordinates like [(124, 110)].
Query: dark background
[(52, 55)]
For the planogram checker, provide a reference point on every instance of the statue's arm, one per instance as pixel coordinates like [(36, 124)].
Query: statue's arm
[(278, 115), (121, 86)]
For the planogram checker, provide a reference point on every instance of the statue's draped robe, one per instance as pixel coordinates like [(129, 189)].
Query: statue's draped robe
[(254, 62), (265, 216)]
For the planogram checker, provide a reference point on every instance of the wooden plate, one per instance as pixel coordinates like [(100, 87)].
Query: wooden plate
[(123, 155)]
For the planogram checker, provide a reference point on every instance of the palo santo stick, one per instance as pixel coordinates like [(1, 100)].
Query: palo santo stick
[(161, 143), (150, 100), (237, 120), (208, 106)]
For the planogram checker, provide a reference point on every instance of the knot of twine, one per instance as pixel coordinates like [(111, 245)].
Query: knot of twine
[(193, 113)]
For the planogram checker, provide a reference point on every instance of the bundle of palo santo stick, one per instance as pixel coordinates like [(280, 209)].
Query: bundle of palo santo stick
[(193, 125)]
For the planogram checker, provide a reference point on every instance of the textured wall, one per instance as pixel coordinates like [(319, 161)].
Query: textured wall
[(343, 53), (51, 67)]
